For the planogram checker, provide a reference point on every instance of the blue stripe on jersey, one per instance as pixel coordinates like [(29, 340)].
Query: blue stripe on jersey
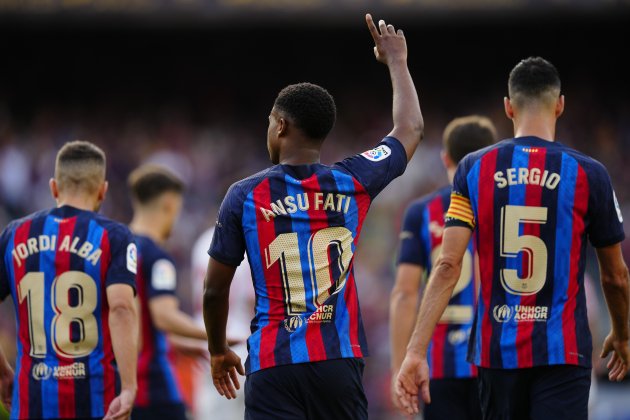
[(163, 363), (425, 237), (299, 350), (345, 185), (50, 388), (8, 262), (94, 237), (520, 159), (475, 341), (463, 369), (255, 261), (564, 228)]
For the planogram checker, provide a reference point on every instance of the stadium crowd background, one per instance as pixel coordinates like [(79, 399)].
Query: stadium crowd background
[(196, 98)]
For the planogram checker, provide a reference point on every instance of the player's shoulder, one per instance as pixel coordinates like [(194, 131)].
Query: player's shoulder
[(472, 158), (240, 189), (114, 228), (149, 249), (419, 204), (589, 164)]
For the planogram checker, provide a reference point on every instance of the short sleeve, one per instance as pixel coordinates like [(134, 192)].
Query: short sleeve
[(124, 258), (163, 277), (606, 222), (460, 212), (228, 241), (376, 168), (412, 247), (5, 287)]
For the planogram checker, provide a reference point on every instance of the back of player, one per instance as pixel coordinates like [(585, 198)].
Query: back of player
[(453, 378), (299, 222), (59, 266)]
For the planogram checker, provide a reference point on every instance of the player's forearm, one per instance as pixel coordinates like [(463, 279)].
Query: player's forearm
[(408, 121), (436, 298), (215, 314), (178, 323), (123, 324), (616, 290), (4, 363), (402, 311)]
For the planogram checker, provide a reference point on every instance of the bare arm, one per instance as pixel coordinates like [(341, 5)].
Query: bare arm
[(391, 50), (403, 303), (6, 380), (167, 317), (615, 283), (123, 325), (224, 362), (414, 372)]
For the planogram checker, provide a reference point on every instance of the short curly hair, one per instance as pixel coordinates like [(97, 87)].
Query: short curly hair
[(311, 108), (533, 78)]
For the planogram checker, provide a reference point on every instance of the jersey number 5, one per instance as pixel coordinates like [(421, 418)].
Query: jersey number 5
[(513, 243), (78, 317)]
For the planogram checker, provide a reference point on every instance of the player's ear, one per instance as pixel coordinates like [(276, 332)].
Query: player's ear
[(54, 188), (509, 109), (283, 126), (559, 106), (102, 191), (446, 160)]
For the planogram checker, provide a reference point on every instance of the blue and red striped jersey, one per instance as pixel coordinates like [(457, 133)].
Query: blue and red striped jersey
[(300, 227), (157, 383), (56, 265), (533, 204), (420, 244)]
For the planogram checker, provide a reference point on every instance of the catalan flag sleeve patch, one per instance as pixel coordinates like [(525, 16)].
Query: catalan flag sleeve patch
[(460, 212)]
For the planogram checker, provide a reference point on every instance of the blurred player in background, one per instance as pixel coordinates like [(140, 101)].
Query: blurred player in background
[(299, 222), (157, 201), (453, 383), (242, 302), (71, 273), (532, 203)]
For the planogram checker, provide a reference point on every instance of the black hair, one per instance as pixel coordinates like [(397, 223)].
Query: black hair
[(311, 108), (468, 134), (148, 182), (533, 77)]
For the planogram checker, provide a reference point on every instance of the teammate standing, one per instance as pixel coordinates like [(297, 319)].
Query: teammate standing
[(453, 379), (157, 200), (299, 222), (532, 204), (71, 273)]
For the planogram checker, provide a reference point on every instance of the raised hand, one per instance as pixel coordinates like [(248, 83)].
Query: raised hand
[(224, 368), (391, 45)]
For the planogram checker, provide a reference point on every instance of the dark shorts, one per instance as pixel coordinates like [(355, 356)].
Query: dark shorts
[(453, 399), (162, 411), (545, 392), (331, 389)]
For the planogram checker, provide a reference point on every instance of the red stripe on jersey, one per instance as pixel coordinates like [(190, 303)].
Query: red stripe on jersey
[(362, 199), (273, 277), (437, 351), (19, 270), (436, 219), (485, 226), (580, 205), (318, 220), (533, 197), (66, 390), (146, 353), (109, 375)]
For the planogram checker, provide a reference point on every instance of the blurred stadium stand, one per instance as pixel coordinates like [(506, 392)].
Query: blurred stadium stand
[(189, 83)]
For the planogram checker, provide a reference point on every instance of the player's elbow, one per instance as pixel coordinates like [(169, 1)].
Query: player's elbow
[(615, 279), (123, 310), (448, 268), (401, 294)]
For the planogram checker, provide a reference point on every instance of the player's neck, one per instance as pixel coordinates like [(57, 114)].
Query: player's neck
[(535, 125), (299, 157), (78, 202), (146, 225)]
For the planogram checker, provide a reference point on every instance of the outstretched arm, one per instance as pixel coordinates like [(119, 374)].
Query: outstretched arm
[(167, 317), (414, 372), (391, 50), (614, 277), (224, 362)]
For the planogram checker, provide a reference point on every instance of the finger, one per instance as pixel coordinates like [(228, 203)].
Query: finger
[(391, 30), (372, 27), (230, 388), (240, 369), (415, 403), (612, 361), (234, 379), (382, 26), (424, 390), (218, 387)]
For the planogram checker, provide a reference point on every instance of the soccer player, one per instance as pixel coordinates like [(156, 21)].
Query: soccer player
[(532, 204), (71, 273), (157, 200), (453, 383), (299, 222)]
